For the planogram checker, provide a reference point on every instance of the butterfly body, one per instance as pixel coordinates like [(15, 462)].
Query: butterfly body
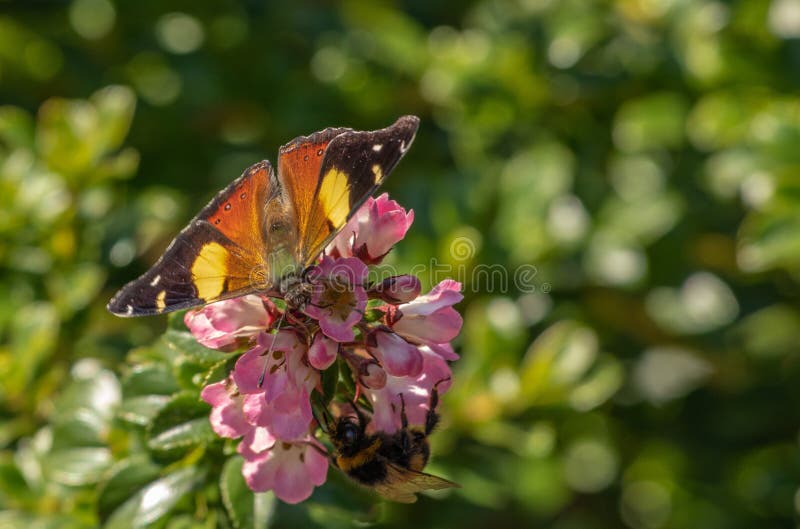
[(263, 232)]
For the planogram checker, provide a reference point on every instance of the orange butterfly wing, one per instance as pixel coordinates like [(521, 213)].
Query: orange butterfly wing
[(328, 175), (219, 255)]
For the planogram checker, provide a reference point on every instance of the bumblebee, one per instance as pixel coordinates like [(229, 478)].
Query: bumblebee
[(390, 464)]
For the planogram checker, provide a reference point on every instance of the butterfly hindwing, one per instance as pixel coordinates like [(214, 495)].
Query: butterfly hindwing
[(217, 256), (355, 164)]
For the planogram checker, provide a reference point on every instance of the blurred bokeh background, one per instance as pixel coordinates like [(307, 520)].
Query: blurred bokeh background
[(639, 160)]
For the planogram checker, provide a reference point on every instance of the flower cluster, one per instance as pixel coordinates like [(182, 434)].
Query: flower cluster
[(393, 340)]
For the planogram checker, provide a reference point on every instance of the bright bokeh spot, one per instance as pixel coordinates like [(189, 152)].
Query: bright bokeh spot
[(179, 33), (92, 19)]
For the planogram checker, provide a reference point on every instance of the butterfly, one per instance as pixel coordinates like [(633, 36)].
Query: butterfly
[(264, 231)]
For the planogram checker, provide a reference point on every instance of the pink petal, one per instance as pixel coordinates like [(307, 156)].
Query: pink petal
[(259, 470), (416, 393), (220, 325), (445, 294), (291, 486), (398, 357), (445, 350), (248, 368), (439, 327), (227, 416), (258, 439), (322, 352), (316, 464)]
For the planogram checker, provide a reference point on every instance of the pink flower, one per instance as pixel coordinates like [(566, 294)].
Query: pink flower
[(397, 289), (226, 324), (430, 319), (398, 357), (281, 402), (339, 297), (416, 393), (322, 352), (377, 226), (291, 470), (227, 413), (398, 350)]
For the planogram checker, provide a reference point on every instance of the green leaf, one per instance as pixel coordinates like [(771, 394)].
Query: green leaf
[(16, 127), (94, 390), (245, 508), (184, 343), (34, 334), (115, 106), (346, 376), (76, 287), (126, 477), (149, 379), (556, 362), (13, 487), (142, 410), (77, 466), (181, 423), (183, 435), (220, 370), (82, 430), (330, 380), (154, 501)]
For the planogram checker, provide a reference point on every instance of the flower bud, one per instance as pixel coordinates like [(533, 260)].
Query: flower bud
[(368, 371), (397, 289), (372, 375)]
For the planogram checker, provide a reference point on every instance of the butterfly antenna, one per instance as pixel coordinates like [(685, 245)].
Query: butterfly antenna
[(271, 347)]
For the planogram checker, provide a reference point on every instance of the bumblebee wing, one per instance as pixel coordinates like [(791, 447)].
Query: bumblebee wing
[(217, 256), (403, 484)]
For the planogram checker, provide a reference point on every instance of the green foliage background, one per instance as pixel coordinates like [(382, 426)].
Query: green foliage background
[(637, 160)]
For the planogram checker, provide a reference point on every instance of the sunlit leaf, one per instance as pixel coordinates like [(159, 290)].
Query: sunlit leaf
[(154, 501)]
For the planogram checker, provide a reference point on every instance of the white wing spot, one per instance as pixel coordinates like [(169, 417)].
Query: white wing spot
[(155, 280), (377, 147), (403, 147), (129, 310)]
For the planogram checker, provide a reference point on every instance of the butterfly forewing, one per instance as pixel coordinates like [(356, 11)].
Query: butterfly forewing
[(219, 255), (355, 164)]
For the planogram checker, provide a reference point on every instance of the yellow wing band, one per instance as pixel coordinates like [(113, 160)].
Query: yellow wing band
[(209, 270), (334, 194)]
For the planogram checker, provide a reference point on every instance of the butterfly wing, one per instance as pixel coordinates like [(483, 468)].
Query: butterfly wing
[(299, 163), (219, 255), (328, 175), (403, 484)]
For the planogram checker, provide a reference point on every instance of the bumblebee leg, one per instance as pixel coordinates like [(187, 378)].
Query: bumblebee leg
[(432, 418), (362, 420), (403, 416), (405, 444)]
